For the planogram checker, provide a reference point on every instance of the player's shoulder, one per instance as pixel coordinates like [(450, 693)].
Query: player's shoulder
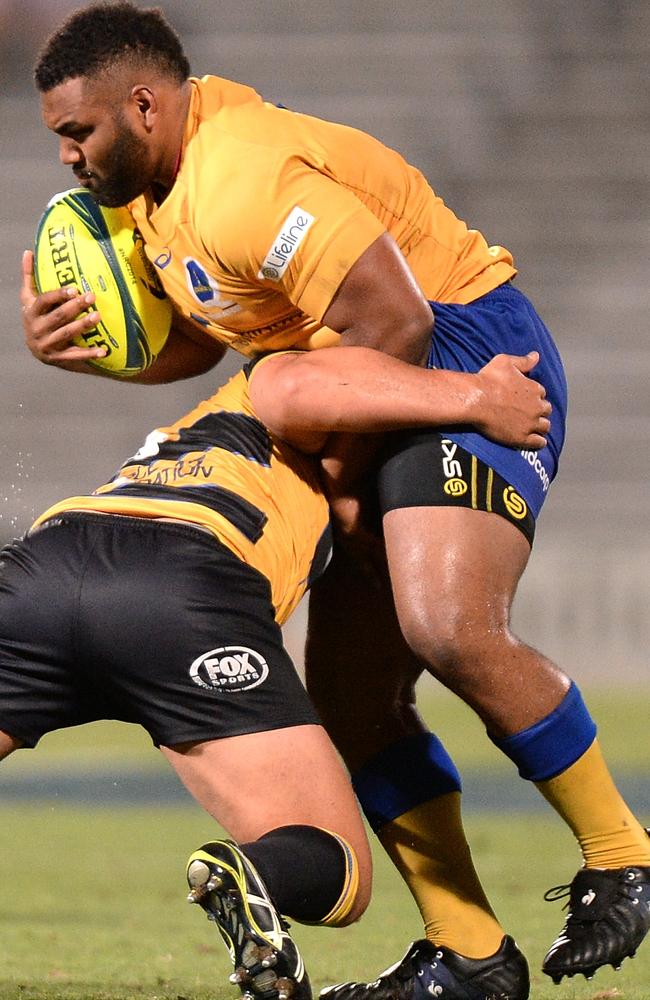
[(236, 148), (242, 164), (231, 114)]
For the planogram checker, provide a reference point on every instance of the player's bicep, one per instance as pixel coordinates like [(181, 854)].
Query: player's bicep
[(310, 230), (335, 260), (293, 231), (379, 304), (302, 234)]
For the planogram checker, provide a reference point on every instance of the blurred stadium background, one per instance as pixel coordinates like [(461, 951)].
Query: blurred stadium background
[(532, 120)]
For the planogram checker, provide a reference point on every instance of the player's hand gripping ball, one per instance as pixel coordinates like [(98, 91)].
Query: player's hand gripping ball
[(96, 249)]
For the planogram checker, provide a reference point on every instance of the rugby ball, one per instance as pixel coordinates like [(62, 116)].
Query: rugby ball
[(96, 249)]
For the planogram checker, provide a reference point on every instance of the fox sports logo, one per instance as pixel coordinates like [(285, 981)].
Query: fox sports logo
[(229, 669)]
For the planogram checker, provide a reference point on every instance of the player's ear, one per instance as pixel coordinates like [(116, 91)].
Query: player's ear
[(146, 104)]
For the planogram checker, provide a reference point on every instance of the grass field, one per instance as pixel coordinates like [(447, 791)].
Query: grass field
[(92, 899)]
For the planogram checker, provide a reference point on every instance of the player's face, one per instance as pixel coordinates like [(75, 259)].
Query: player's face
[(106, 154)]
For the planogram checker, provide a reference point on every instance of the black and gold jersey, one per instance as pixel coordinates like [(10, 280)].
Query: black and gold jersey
[(218, 467)]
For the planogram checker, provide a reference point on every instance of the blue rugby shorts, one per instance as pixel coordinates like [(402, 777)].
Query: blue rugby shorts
[(465, 338)]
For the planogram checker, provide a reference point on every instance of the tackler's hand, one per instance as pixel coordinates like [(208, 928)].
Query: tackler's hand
[(513, 409)]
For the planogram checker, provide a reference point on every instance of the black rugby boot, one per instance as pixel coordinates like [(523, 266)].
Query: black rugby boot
[(608, 918), (267, 962), (429, 971)]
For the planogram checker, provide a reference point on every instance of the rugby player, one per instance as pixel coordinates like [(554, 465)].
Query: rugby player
[(158, 600), (271, 229)]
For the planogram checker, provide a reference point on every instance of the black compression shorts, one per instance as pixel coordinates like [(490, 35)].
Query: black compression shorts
[(150, 622), (427, 469)]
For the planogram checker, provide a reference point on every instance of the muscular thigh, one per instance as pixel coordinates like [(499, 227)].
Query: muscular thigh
[(259, 781), (457, 535), (359, 670), (454, 572), (427, 469)]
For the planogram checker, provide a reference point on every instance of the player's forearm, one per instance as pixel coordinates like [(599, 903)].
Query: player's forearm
[(358, 390), (182, 357)]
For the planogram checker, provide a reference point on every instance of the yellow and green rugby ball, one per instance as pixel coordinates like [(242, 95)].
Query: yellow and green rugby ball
[(96, 249)]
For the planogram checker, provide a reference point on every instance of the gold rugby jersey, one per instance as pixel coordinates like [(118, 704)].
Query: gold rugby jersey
[(270, 209), (219, 468)]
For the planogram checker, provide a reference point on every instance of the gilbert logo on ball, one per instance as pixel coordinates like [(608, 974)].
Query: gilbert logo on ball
[(96, 249)]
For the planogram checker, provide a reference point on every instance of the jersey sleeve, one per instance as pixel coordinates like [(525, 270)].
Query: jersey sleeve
[(291, 228)]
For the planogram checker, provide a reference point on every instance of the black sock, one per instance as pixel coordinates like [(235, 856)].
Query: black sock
[(303, 867)]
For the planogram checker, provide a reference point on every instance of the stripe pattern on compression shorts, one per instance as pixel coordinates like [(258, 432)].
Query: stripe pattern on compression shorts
[(429, 469)]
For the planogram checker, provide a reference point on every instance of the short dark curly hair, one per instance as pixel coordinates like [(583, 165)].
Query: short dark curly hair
[(92, 38)]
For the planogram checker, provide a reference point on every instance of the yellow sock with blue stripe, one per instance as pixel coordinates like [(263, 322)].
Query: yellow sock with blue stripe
[(410, 793), (429, 849), (561, 755), (587, 799)]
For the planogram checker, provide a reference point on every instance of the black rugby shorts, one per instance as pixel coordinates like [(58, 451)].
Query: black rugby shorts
[(150, 622)]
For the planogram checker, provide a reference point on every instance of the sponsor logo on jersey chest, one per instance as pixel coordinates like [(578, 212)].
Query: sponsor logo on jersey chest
[(229, 669), (285, 244)]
